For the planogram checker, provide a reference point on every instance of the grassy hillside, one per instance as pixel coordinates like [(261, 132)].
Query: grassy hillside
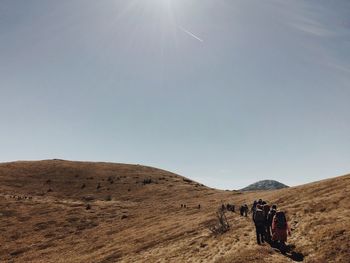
[(135, 215)]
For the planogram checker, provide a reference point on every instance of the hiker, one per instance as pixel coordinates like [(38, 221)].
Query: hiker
[(254, 207), (270, 216), (259, 221), (266, 209), (259, 206), (231, 207), (241, 210), (246, 209), (280, 229)]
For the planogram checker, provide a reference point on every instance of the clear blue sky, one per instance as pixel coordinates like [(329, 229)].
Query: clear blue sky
[(226, 92)]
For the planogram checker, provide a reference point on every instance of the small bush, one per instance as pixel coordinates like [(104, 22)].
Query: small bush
[(108, 198), (88, 198), (110, 180), (222, 224), (187, 180), (88, 207), (147, 181), (83, 186)]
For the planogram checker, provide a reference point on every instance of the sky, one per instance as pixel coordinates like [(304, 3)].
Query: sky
[(225, 92)]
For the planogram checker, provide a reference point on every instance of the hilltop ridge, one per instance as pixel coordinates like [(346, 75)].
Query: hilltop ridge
[(264, 185)]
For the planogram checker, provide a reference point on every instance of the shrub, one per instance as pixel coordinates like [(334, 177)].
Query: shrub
[(88, 198), (187, 180), (222, 224), (110, 180), (147, 181)]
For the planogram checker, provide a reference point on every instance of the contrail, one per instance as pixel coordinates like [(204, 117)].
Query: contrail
[(191, 34)]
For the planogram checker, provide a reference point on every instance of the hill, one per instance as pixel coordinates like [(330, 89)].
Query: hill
[(61, 211), (264, 185)]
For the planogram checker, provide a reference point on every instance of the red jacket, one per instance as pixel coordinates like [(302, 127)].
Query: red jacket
[(279, 234)]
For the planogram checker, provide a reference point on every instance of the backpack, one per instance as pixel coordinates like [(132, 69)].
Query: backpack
[(266, 209), (280, 220), (270, 216), (259, 217)]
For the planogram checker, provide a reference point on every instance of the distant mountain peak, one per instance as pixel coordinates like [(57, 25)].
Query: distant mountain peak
[(264, 185)]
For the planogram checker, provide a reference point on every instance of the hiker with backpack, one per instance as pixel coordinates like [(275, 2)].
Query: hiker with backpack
[(266, 209), (241, 210), (246, 209), (254, 206), (269, 220), (259, 221), (280, 229)]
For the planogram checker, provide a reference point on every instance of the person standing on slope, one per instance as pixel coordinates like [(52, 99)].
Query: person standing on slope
[(246, 209), (254, 208), (280, 229), (259, 221), (270, 216)]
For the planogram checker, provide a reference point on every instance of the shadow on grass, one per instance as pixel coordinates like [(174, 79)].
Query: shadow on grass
[(288, 251)]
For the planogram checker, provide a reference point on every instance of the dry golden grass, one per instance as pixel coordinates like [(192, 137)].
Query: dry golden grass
[(132, 220)]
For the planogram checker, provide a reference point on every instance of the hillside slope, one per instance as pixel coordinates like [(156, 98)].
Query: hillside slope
[(137, 215)]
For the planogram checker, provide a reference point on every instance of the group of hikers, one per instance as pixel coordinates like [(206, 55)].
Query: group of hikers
[(270, 224)]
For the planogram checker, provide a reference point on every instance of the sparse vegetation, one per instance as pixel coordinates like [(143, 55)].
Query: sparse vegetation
[(187, 180), (110, 180), (88, 198), (221, 226), (147, 181)]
